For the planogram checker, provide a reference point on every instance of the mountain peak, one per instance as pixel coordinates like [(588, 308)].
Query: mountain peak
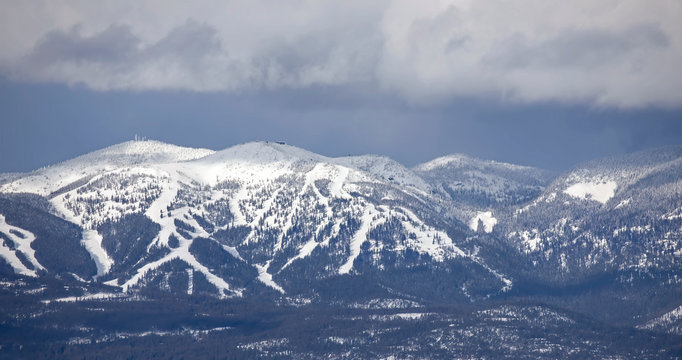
[(130, 153), (151, 150), (384, 168), (461, 160), (263, 152), (447, 160)]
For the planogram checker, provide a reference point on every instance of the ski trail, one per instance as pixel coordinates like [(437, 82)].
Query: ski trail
[(367, 223), (238, 216), (266, 278), (92, 241), (305, 250), (182, 253), (160, 206)]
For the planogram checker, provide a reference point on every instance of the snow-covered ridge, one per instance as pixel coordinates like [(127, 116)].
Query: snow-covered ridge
[(206, 164), (290, 203), (635, 162), (588, 214), (469, 185), (263, 152), (461, 160), (384, 168), (622, 179), (268, 154), (600, 179), (668, 321), (79, 170), (150, 150)]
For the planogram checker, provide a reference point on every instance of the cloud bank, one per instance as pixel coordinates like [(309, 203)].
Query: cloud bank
[(609, 53)]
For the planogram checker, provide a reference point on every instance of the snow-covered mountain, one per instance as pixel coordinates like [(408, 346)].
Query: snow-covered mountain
[(478, 189), (263, 210), (611, 214), (284, 217), (463, 251)]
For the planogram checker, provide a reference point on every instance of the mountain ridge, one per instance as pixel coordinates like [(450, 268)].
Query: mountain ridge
[(267, 170), (452, 249)]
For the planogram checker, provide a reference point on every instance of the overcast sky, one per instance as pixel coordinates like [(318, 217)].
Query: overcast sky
[(542, 83)]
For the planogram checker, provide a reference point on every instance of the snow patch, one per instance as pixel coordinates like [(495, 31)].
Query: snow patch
[(400, 316), (386, 304), (86, 297), (233, 251), (531, 240), (411, 316), (623, 203), (112, 282), (486, 217), (600, 191)]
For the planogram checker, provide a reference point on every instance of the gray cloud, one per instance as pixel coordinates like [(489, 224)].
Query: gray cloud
[(187, 44), (577, 48), (329, 57), (116, 44), (623, 53), (115, 57)]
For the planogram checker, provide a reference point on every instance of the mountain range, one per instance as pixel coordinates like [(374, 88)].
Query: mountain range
[(477, 258)]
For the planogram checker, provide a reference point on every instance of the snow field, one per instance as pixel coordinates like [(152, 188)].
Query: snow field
[(600, 191)]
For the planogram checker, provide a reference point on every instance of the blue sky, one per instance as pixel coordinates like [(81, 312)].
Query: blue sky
[(541, 83)]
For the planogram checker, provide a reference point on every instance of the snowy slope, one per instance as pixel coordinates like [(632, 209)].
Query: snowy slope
[(291, 207), (359, 239), (384, 169), (270, 217), (615, 213), (670, 322), (472, 188), (475, 184)]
